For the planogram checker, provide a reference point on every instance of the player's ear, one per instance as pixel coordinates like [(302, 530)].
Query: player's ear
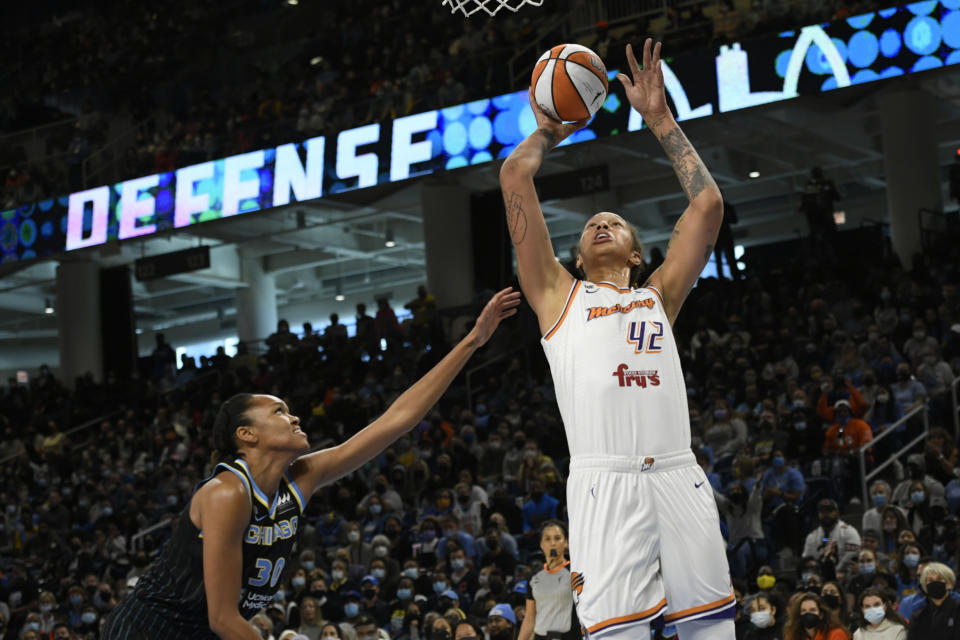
[(636, 259), (246, 434)]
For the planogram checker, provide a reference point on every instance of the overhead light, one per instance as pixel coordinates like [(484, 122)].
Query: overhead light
[(339, 297), (315, 60), (293, 3), (47, 307), (754, 174), (390, 241)]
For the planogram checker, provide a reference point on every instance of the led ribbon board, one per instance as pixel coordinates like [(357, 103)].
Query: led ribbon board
[(807, 61)]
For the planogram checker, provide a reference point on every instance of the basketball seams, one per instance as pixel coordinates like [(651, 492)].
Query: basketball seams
[(558, 102), (591, 70), (576, 90)]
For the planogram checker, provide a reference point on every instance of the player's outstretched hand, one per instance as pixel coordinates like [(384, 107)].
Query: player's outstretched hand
[(559, 130), (645, 89), (502, 305)]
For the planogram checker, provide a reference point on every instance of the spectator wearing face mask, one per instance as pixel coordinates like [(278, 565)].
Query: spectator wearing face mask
[(764, 622), (917, 472), (908, 392), (439, 629), (468, 510), (939, 619), (868, 574), (783, 487), (940, 455), (462, 575), (359, 551), (880, 494), (847, 434), (371, 604), (351, 614), (741, 509), (910, 563), (833, 392), (452, 532), (808, 619), (877, 617)]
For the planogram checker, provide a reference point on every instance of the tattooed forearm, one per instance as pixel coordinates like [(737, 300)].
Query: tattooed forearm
[(549, 140), (516, 218), (690, 170), (676, 231)]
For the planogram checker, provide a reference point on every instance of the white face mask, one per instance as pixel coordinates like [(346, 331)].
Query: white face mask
[(873, 615), (760, 619)]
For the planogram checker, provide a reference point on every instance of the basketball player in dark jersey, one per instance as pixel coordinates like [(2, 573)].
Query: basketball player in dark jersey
[(226, 557)]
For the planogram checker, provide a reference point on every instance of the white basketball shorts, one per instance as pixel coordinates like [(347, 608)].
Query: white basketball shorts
[(644, 540)]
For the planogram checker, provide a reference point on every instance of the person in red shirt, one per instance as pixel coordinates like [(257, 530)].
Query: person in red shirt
[(847, 434), (808, 619)]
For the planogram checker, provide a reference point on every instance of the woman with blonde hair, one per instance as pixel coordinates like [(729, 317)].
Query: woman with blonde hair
[(809, 619), (878, 619), (938, 618)]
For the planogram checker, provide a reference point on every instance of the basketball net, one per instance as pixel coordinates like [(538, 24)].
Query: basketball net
[(470, 7)]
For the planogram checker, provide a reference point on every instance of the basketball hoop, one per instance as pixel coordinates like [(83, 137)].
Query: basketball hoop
[(470, 7)]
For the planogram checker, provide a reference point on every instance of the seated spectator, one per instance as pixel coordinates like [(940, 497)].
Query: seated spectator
[(907, 570), (765, 624), (916, 469), (880, 497), (940, 618), (833, 539), (808, 618), (877, 619), (502, 623)]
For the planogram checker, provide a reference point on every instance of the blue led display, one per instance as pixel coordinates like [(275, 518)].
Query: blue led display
[(802, 61)]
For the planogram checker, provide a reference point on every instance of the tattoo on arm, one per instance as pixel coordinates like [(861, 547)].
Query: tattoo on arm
[(676, 231), (516, 218), (690, 170), (549, 140)]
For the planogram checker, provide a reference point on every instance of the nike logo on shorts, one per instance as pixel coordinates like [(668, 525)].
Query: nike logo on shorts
[(697, 486)]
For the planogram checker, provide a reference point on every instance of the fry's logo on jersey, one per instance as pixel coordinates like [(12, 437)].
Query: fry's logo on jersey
[(602, 312), (627, 378)]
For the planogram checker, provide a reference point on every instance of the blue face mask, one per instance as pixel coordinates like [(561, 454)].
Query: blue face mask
[(375, 509), (778, 462), (412, 573), (351, 609), (89, 617), (279, 596), (76, 600), (879, 500), (439, 587), (404, 594), (309, 565), (911, 559), (917, 497), (868, 568)]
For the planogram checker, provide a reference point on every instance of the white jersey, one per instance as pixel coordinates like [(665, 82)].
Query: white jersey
[(616, 371)]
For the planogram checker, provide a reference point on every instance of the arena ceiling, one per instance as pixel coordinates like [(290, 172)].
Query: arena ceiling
[(311, 247)]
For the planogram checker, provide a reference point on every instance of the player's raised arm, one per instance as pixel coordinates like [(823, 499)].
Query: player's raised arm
[(317, 469), (696, 231), (544, 281)]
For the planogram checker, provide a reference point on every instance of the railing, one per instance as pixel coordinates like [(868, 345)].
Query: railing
[(865, 477), (494, 360), (136, 540)]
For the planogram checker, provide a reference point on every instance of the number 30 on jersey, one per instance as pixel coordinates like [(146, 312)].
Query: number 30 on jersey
[(645, 336)]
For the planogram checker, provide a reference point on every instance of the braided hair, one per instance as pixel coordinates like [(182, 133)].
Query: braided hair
[(232, 414)]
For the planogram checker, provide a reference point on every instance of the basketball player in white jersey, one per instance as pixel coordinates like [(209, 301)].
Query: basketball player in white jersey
[(644, 530)]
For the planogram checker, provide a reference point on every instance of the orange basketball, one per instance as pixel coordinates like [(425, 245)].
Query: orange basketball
[(569, 82)]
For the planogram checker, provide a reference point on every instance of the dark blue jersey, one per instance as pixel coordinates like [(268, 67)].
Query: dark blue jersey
[(173, 589)]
